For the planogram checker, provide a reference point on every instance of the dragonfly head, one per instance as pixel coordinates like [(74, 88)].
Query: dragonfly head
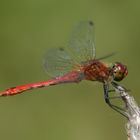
[(119, 71)]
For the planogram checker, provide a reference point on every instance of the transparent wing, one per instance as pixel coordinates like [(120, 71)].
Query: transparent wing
[(80, 49), (81, 45), (58, 62)]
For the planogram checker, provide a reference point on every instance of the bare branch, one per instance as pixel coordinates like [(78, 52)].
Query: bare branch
[(133, 113)]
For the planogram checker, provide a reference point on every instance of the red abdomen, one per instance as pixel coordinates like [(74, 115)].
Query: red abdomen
[(97, 71)]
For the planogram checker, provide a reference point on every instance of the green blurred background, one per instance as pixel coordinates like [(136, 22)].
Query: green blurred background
[(65, 112)]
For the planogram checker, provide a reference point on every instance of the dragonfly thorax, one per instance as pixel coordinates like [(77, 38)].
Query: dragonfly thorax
[(97, 71)]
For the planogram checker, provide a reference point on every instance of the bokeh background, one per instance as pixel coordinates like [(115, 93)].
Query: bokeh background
[(65, 112)]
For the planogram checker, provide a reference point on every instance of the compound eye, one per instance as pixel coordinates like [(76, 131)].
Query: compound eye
[(119, 71)]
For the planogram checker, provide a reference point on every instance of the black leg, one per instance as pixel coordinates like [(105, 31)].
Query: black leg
[(114, 97), (107, 100), (115, 85)]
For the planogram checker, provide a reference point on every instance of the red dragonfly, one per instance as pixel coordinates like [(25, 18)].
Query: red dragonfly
[(75, 63)]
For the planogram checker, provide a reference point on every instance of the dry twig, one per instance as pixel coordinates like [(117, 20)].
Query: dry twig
[(132, 111)]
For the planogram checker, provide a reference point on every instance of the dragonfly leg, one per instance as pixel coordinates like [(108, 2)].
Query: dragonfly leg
[(111, 90), (107, 100), (115, 85), (114, 97)]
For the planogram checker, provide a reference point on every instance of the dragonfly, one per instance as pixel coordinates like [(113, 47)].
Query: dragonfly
[(76, 62)]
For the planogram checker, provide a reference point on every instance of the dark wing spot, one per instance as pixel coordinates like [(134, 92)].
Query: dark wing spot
[(61, 49), (91, 23)]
